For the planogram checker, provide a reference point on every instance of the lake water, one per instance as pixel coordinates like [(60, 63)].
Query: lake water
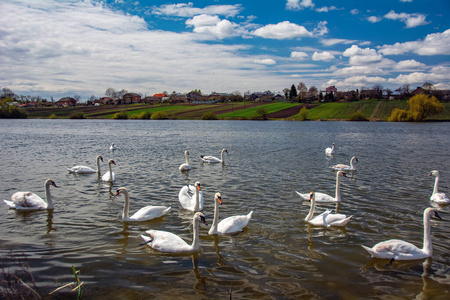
[(277, 256)]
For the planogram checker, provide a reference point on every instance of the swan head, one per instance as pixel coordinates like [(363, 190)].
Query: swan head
[(355, 158), (200, 217), (332, 144), (111, 161), (218, 198), (50, 182), (198, 186), (100, 157), (312, 196), (434, 173), (341, 173), (120, 190), (186, 152), (224, 150)]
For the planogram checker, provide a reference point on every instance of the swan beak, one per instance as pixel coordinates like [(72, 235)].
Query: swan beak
[(199, 187), (113, 162), (101, 158), (117, 193), (54, 184), (311, 195), (345, 175), (437, 215), (202, 218), (219, 199)]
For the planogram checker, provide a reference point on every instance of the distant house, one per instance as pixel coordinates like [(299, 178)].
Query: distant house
[(151, 100), (193, 96), (160, 95), (106, 100), (418, 91), (331, 89), (66, 101), (131, 98)]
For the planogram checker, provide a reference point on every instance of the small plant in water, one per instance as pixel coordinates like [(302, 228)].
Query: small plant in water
[(78, 285)]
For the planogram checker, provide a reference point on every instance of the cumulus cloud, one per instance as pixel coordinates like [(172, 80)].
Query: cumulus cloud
[(354, 11), (410, 20), (374, 19), (188, 10), (299, 4), (321, 28), (283, 30), (212, 26), (433, 44), (326, 9), (359, 70), (299, 55), (266, 61), (409, 64), (360, 56), (322, 56)]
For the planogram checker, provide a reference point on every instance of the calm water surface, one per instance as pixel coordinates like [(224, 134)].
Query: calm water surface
[(277, 256)]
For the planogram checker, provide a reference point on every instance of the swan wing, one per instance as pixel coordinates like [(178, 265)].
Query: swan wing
[(210, 159), (185, 166), (191, 191), (320, 220), (165, 241), (341, 167), (440, 198), (149, 212), (187, 201), (81, 170), (337, 220), (27, 201), (322, 197), (395, 249), (107, 177), (234, 223)]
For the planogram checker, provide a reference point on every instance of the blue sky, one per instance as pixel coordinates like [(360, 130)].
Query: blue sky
[(62, 48)]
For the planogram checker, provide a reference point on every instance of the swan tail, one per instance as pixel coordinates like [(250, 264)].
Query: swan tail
[(371, 252), (146, 240), (303, 196), (11, 204), (166, 210), (249, 216)]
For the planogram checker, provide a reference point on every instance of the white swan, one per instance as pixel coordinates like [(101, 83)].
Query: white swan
[(31, 201), (330, 150), (230, 224), (326, 219), (437, 197), (322, 197), (193, 203), (401, 250), (212, 159), (109, 176), (168, 242), (342, 167), (185, 166), (112, 147), (144, 214), (85, 169)]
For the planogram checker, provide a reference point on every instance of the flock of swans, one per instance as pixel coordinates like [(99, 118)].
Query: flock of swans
[(191, 199), (391, 249)]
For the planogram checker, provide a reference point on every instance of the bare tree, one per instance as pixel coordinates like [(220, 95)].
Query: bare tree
[(313, 91), (286, 92), (110, 92), (302, 90), (77, 98)]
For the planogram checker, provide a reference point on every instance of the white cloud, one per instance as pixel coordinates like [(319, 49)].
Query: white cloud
[(354, 11), (326, 9), (321, 28), (331, 42), (411, 20), (359, 56), (433, 44), (359, 70), (406, 0), (266, 61), (212, 26), (322, 56), (299, 55), (298, 4), (188, 10), (283, 30), (418, 78), (409, 64), (374, 19)]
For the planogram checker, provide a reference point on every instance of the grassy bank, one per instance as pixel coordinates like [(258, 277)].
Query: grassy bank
[(372, 109)]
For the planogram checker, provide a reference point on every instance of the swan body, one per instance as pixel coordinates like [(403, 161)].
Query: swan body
[(112, 147), (329, 150), (342, 167), (165, 241), (401, 250), (85, 169), (322, 197), (212, 159), (193, 203), (437, 197), (327, 218), (185, 166), (109, 176), (230, 224), (144, 214), (31, 201)]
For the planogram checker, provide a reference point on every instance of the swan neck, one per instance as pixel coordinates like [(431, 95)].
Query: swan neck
[(338, 188), (126, 207), (98, 165), (195, 239), (197, 200), (311, 209), (187, 160), (213, 229), (110, 171), (427, 246), (221, 156), (48, 196), (436, 184)]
